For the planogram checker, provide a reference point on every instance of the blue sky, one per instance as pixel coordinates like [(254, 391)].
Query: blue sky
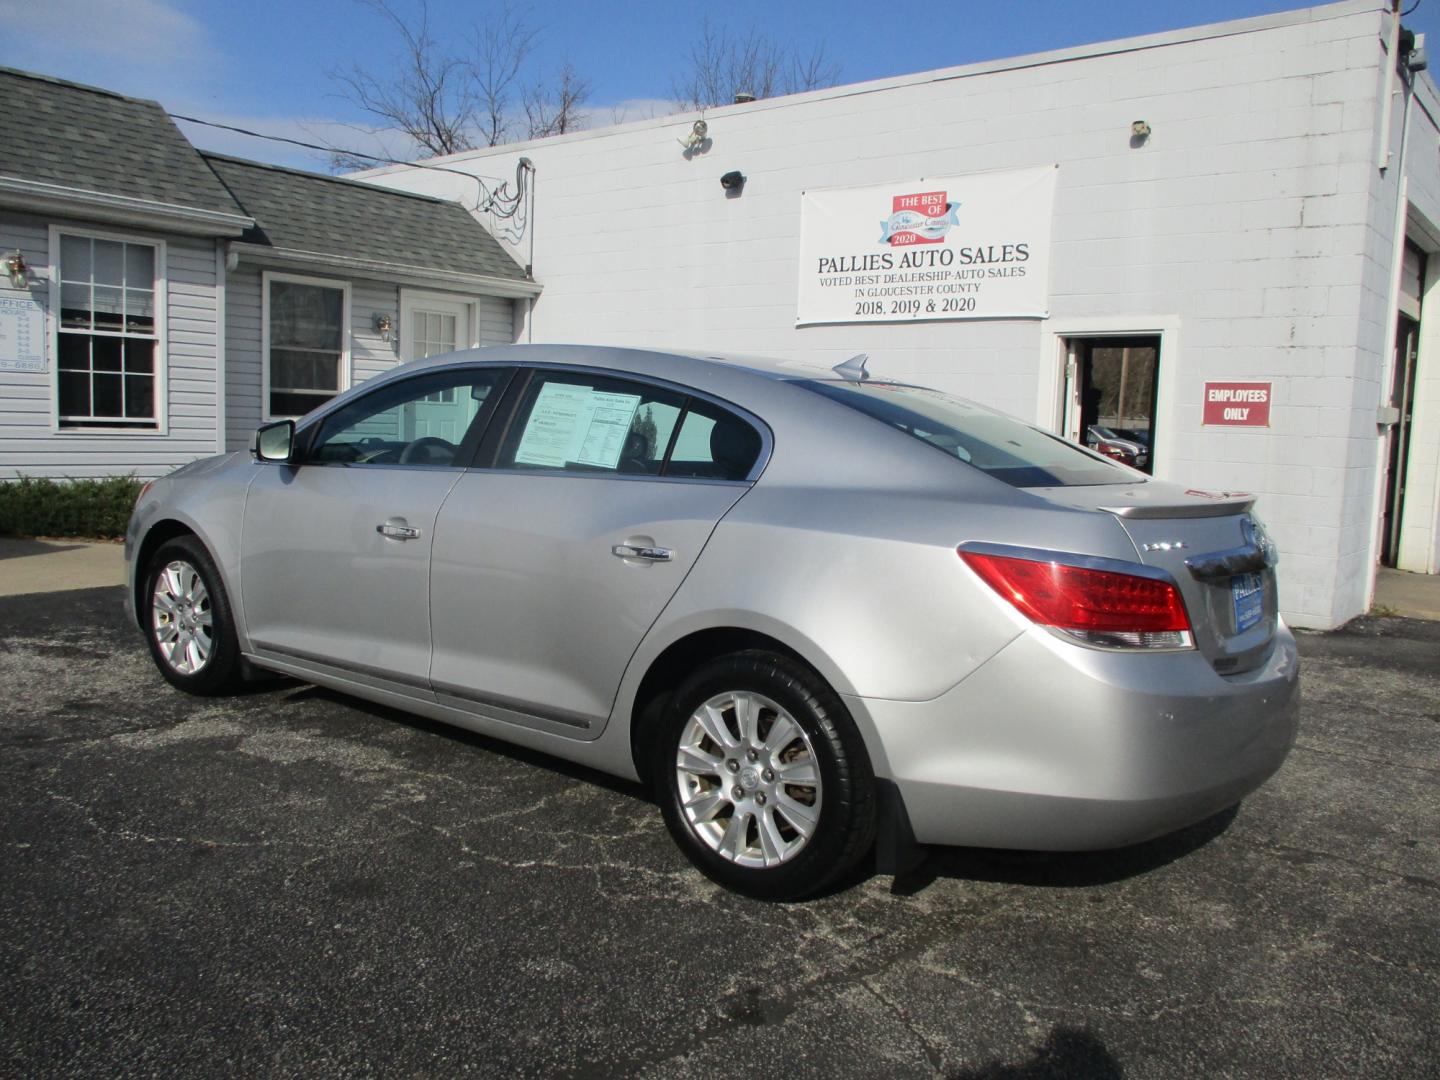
[(262, 64)]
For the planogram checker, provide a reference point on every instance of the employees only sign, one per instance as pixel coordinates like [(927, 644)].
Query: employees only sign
[(1236, 404), (960, 247)]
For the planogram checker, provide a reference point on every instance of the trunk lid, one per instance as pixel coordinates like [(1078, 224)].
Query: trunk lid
[(1214, 547)]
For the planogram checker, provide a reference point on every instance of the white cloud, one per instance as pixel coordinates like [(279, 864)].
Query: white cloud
[(140, 47)]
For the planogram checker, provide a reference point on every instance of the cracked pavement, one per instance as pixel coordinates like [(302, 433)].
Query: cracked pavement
[(295, 883)]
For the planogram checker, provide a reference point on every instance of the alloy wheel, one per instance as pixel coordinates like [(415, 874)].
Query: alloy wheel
[(748, 779), (181, 619)]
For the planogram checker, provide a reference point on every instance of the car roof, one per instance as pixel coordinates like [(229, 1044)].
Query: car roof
[(621, 358)]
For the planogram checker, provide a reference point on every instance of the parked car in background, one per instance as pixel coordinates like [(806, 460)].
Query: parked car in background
[(815, 611), (1112, 444)]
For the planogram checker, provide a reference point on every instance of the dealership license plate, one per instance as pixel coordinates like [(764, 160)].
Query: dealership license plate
[(1248, 592)]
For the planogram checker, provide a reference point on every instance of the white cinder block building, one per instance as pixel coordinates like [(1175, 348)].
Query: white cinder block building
[(1227, 268)]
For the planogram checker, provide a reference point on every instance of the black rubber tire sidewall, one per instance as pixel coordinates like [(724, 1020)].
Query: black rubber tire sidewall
[(846, 828), (222, 672)]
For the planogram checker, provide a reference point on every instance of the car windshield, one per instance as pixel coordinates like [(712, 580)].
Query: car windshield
[(996, 444)]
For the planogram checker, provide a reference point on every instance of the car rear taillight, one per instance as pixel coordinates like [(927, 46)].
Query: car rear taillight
[(1100, 607)]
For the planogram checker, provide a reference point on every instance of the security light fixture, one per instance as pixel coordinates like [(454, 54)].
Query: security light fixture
[(697, 134), (1140, 129), (383, 324), (733, 182), (17, 270)]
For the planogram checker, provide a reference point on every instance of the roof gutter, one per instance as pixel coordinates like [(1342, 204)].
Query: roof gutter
[(382, 270), (37, 197)]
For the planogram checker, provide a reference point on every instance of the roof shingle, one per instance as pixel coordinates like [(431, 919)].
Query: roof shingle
[(328, 215), (63, 133)]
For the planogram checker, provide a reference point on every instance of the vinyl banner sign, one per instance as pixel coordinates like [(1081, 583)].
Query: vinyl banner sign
[(959, 247)]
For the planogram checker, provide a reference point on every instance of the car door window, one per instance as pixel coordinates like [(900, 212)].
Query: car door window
[(713, 444), (590, 423), (431, 420)]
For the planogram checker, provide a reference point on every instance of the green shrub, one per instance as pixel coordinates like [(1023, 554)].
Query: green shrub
[(37, 507)]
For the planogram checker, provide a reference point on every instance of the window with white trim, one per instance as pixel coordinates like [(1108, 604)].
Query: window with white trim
[(107, 340), (306, 351)]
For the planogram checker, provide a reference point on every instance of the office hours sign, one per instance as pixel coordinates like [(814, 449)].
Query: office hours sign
[(958, 247), (22, 332)]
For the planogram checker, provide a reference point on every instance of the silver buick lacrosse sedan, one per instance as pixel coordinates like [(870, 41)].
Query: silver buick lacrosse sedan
[(823, 615)]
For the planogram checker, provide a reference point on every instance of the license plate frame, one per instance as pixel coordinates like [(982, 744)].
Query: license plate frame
[(1247, 594)]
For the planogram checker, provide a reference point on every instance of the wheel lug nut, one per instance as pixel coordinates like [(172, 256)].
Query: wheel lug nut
[(738, 791), (733, 765), (769, 776), (753, 754), (760, 798)]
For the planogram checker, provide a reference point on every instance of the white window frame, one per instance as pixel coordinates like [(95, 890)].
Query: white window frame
[(1054, 357), (344, 376), (410, 299), (162, 328)]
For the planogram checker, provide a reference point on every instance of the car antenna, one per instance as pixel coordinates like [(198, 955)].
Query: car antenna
[(853, 370)]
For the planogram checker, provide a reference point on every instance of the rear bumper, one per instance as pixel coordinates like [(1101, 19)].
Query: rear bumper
[(1055, 747)]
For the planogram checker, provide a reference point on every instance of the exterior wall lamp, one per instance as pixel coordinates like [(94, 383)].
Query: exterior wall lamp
[(384, 325), (17, 270)]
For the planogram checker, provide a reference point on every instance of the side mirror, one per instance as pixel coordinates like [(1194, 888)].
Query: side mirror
[(274, 442)]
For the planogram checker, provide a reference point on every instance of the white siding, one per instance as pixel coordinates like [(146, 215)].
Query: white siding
[(1253, 221), (30, 446), (242, 356), (497, 320)]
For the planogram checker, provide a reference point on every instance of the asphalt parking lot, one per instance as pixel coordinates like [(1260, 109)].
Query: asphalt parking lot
[(293, 883)]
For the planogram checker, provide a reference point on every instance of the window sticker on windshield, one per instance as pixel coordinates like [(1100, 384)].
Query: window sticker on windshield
[(576, 425)]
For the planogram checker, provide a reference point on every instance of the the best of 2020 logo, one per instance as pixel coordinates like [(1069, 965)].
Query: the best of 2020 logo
[(922, 218)]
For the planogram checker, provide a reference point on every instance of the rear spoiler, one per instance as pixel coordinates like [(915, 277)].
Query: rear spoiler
[(1206, 504)]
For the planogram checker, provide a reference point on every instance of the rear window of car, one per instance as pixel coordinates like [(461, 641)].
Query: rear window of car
[(580, 422), (1002, 447)]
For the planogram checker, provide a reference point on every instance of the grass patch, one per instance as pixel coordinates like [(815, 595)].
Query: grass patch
[(41, 507)]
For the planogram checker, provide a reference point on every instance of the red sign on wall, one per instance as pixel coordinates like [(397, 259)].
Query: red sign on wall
[(1237, 404)]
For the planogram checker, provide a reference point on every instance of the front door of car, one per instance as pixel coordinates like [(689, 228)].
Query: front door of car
[(335, 550), (550, 567)]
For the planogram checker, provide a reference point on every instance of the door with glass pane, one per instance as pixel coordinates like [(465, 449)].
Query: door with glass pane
[(431, 326)]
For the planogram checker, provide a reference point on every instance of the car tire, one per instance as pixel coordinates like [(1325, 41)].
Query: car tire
[(763, 778), (187, 619)]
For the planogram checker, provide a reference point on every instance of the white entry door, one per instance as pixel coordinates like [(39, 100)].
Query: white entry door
[(431, 326)]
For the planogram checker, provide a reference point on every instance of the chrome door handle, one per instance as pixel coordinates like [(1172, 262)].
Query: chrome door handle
[(650, 554), (398, 532)]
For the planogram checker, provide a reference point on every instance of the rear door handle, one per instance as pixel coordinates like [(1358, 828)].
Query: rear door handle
[(649, 554), (396, 529)]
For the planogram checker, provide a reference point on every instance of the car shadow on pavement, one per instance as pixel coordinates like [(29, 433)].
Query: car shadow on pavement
[(1066, 1051), (465, 737), (19, 547), (1061, 869), (1043, 869)]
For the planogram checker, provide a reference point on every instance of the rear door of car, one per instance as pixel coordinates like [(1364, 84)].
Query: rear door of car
[(555, 555)]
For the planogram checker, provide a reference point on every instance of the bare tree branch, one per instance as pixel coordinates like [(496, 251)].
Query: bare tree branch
[(445, 100), (502, 45), (722, 66), (556, 109), (431, 99)]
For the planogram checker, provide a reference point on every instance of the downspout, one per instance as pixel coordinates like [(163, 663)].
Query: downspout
[(1382, 162), (1397, 262), (530, 260), (221, 434)]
